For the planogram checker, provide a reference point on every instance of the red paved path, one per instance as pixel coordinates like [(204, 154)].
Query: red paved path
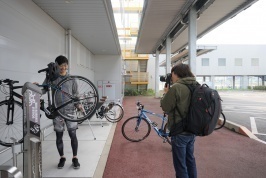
[(223, 154)]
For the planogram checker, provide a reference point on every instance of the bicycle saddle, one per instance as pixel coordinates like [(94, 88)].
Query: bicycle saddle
[(53, 71)]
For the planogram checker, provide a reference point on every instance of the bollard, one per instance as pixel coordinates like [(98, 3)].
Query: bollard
[(4, 170), (32, 156)]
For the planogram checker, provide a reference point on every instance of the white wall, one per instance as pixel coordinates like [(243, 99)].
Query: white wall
[(29, 40), (82, 60), (109, 68)]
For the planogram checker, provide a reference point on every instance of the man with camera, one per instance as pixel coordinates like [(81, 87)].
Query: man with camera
[(175, 103)]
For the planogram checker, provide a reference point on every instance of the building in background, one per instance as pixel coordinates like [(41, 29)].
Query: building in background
[(127, 15), (229, 66)]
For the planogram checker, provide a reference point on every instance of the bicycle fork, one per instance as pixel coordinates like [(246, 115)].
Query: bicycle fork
[(10, 109)]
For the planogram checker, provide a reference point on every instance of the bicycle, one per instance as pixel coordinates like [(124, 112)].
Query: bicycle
[(75, 103), (110, 110), (138, 128), (11, 114)]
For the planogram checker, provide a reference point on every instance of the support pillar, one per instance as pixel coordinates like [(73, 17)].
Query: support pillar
[(234, 82), (157, 79), (168, 55), (69, 50), (244, 82), (212, 80), (192, 36)]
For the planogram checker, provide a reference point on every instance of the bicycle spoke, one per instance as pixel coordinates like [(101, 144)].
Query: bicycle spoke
[(83, 105), (135, 129), (115, 114), (14, 129)]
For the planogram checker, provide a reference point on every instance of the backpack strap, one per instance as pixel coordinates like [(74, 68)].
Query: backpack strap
[(191, 88), (180, 127)]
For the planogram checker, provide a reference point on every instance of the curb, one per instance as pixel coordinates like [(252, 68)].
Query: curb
[(240, 129), (104, 156)]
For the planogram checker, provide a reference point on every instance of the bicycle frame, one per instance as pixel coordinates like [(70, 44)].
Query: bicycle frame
[(143, 115), (10, 98), (48, 88)]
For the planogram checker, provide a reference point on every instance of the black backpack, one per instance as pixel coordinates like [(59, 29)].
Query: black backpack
[(204, 111)]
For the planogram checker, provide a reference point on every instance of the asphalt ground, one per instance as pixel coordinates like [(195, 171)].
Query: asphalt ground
[(247, 108), (222, 154)]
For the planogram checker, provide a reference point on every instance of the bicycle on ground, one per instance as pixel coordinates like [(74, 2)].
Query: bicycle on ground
[(110, 110), (11, 114), (138, 128)]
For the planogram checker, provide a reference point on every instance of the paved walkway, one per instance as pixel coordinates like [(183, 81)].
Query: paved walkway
[(222, 154)]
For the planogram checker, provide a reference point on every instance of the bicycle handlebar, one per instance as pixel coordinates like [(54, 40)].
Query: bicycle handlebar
[(8, 81), (139, 105), (43, 70)]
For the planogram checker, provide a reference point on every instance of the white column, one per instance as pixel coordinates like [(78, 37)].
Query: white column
[(212, 79), (244, 83), (157, 78), (69, 50), (168, 55), (192, 36)]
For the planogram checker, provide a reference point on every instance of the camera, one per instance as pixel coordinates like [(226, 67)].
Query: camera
[(167, 79)]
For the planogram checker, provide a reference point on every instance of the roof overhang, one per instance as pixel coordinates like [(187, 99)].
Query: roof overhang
[(162, 19), (182, 55), (91, 22)]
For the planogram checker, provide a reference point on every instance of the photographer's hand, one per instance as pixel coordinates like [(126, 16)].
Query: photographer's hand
[(166, 88)]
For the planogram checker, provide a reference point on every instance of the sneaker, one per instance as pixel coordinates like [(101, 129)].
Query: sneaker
[(75, 163), (61, 163)]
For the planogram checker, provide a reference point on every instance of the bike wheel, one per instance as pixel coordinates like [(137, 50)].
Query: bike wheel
[(136, 129), (11, 129), (166, 130), (75, 98), (221, 123), (115, 113)]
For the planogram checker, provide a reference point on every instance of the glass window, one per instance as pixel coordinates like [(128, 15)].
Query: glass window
[(205, 62), (221, 62), (238, 61), (254, 62)]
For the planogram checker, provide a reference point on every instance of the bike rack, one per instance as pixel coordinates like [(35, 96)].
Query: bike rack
[(5, 170), (32, 157)]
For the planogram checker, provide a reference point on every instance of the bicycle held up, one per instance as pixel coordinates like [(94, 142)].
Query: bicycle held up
[(74, 104)]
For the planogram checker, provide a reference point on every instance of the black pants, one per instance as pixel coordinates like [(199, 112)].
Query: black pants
[(60, 144)]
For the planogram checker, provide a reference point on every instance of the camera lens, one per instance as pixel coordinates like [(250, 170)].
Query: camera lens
[(162, 78)]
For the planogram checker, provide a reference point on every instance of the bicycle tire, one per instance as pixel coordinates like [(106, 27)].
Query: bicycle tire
[(165, 129), (115, 114), (220, 125), (85, 96), (16, 128), (130, 126)]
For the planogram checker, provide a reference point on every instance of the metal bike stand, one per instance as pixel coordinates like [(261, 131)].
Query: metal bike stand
[(32, 157), (15, 150), (5, 170), (91, 130)]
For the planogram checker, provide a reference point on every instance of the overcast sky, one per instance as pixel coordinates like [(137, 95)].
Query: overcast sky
[(248, 27)]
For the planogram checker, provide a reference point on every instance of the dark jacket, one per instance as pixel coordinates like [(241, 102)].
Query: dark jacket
[(178, 96)]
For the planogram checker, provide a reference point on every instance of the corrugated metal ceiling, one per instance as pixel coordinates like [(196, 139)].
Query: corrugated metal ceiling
[(160, 18), (91, 22)]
